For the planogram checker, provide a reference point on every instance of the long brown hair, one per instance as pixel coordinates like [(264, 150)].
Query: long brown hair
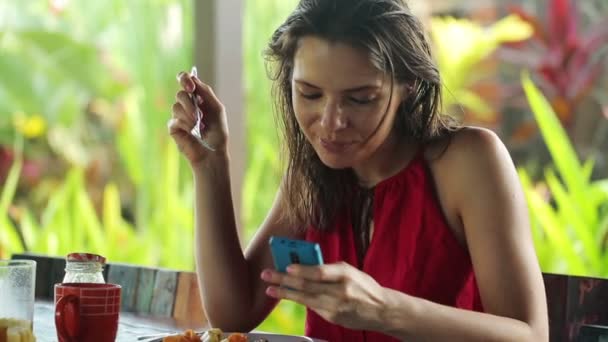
[(396, 42)]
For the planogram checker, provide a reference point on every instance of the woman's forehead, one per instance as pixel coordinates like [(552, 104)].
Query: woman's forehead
[(337, 65)]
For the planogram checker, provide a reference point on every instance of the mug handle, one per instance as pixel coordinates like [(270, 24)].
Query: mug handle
[(65, 335)]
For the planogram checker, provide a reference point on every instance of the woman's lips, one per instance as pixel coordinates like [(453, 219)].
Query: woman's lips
[(335, 146)]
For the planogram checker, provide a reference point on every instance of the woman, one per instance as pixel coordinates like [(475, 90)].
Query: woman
[(422, 224)]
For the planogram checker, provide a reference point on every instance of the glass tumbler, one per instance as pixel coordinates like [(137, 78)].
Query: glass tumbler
[(17, 288)]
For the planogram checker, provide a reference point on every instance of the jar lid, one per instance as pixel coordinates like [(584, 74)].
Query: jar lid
[(86, 257)]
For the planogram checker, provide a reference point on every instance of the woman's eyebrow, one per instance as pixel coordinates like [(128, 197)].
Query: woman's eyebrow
[(349, 90)]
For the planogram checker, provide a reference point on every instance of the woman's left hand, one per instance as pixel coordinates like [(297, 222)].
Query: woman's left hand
[(339, 293)]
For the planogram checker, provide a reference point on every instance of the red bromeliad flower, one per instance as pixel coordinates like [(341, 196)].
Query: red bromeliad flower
[(6, 160), (563, 58), (31, 171)]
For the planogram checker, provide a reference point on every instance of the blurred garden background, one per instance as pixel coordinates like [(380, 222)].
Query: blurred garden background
[(86, 89)]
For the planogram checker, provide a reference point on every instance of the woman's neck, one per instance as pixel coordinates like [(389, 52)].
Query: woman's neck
[(390, 158)]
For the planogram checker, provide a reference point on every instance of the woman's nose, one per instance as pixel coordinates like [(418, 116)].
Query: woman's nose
[(332, 116)]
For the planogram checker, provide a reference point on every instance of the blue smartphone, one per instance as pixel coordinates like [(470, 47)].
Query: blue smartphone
[(288, 251)]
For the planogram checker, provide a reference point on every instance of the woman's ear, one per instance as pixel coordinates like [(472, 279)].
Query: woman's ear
[(406, 91), (409, 87)]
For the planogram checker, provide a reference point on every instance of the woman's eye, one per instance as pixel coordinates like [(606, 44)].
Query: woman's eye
[(361, 101), (310, 96)]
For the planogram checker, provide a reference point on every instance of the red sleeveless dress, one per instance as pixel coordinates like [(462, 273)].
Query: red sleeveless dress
[(412, 250)]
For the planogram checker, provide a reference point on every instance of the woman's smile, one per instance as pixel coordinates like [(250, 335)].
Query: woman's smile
[(335, 146)]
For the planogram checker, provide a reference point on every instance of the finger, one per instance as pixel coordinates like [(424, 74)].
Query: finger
[(177, 127), (322, 273), (179, 112), (312, 287), (312, 301), (208, 96), (185, 81), (271, 276), (184, 99), (181, 134), (299, 283)]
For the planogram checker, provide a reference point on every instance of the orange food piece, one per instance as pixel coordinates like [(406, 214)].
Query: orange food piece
[(188, 336), (175, 338), (236, 337), (192, 336)]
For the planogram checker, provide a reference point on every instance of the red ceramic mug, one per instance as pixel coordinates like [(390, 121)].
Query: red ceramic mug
[(87, 312)]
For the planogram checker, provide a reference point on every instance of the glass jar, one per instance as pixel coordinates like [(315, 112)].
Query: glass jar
[(84, 268)]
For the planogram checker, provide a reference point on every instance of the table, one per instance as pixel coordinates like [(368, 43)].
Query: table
[(129, 327)]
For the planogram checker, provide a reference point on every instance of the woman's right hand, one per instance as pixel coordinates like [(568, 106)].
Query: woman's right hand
[(183, 119)]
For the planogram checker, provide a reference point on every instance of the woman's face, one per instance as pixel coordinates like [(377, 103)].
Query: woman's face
[(342, 102)]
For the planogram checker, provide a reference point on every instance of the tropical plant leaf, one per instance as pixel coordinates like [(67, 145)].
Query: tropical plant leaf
[(10, 185), (457, 57), (562, 22), (511, 29), (535, 22), (558, 143), (557, 237), (583, 231), (29, 229), (10, 242), (475, 104), (61, 55), (544, 250)]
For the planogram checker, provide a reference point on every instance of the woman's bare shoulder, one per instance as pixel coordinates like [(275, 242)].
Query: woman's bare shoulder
[(467, 147), (468, 162)]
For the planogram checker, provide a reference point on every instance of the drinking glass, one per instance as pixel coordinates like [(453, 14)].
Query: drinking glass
[(17, 286)]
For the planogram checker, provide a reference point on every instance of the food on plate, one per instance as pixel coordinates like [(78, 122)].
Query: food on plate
[(188, 336), (236, 338), (211, 335), (215, 335)]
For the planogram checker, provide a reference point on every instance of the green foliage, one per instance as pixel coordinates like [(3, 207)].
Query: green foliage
[(36, 63), (569, 212), (81, 60), (69, 222), (569, 70), (120, 65), (460, 46), (264, 168)]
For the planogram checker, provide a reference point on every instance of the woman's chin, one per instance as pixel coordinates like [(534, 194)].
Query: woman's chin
[(336, 162)]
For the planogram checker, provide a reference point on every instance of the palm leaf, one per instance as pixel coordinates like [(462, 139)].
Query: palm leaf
[(562, 152)]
